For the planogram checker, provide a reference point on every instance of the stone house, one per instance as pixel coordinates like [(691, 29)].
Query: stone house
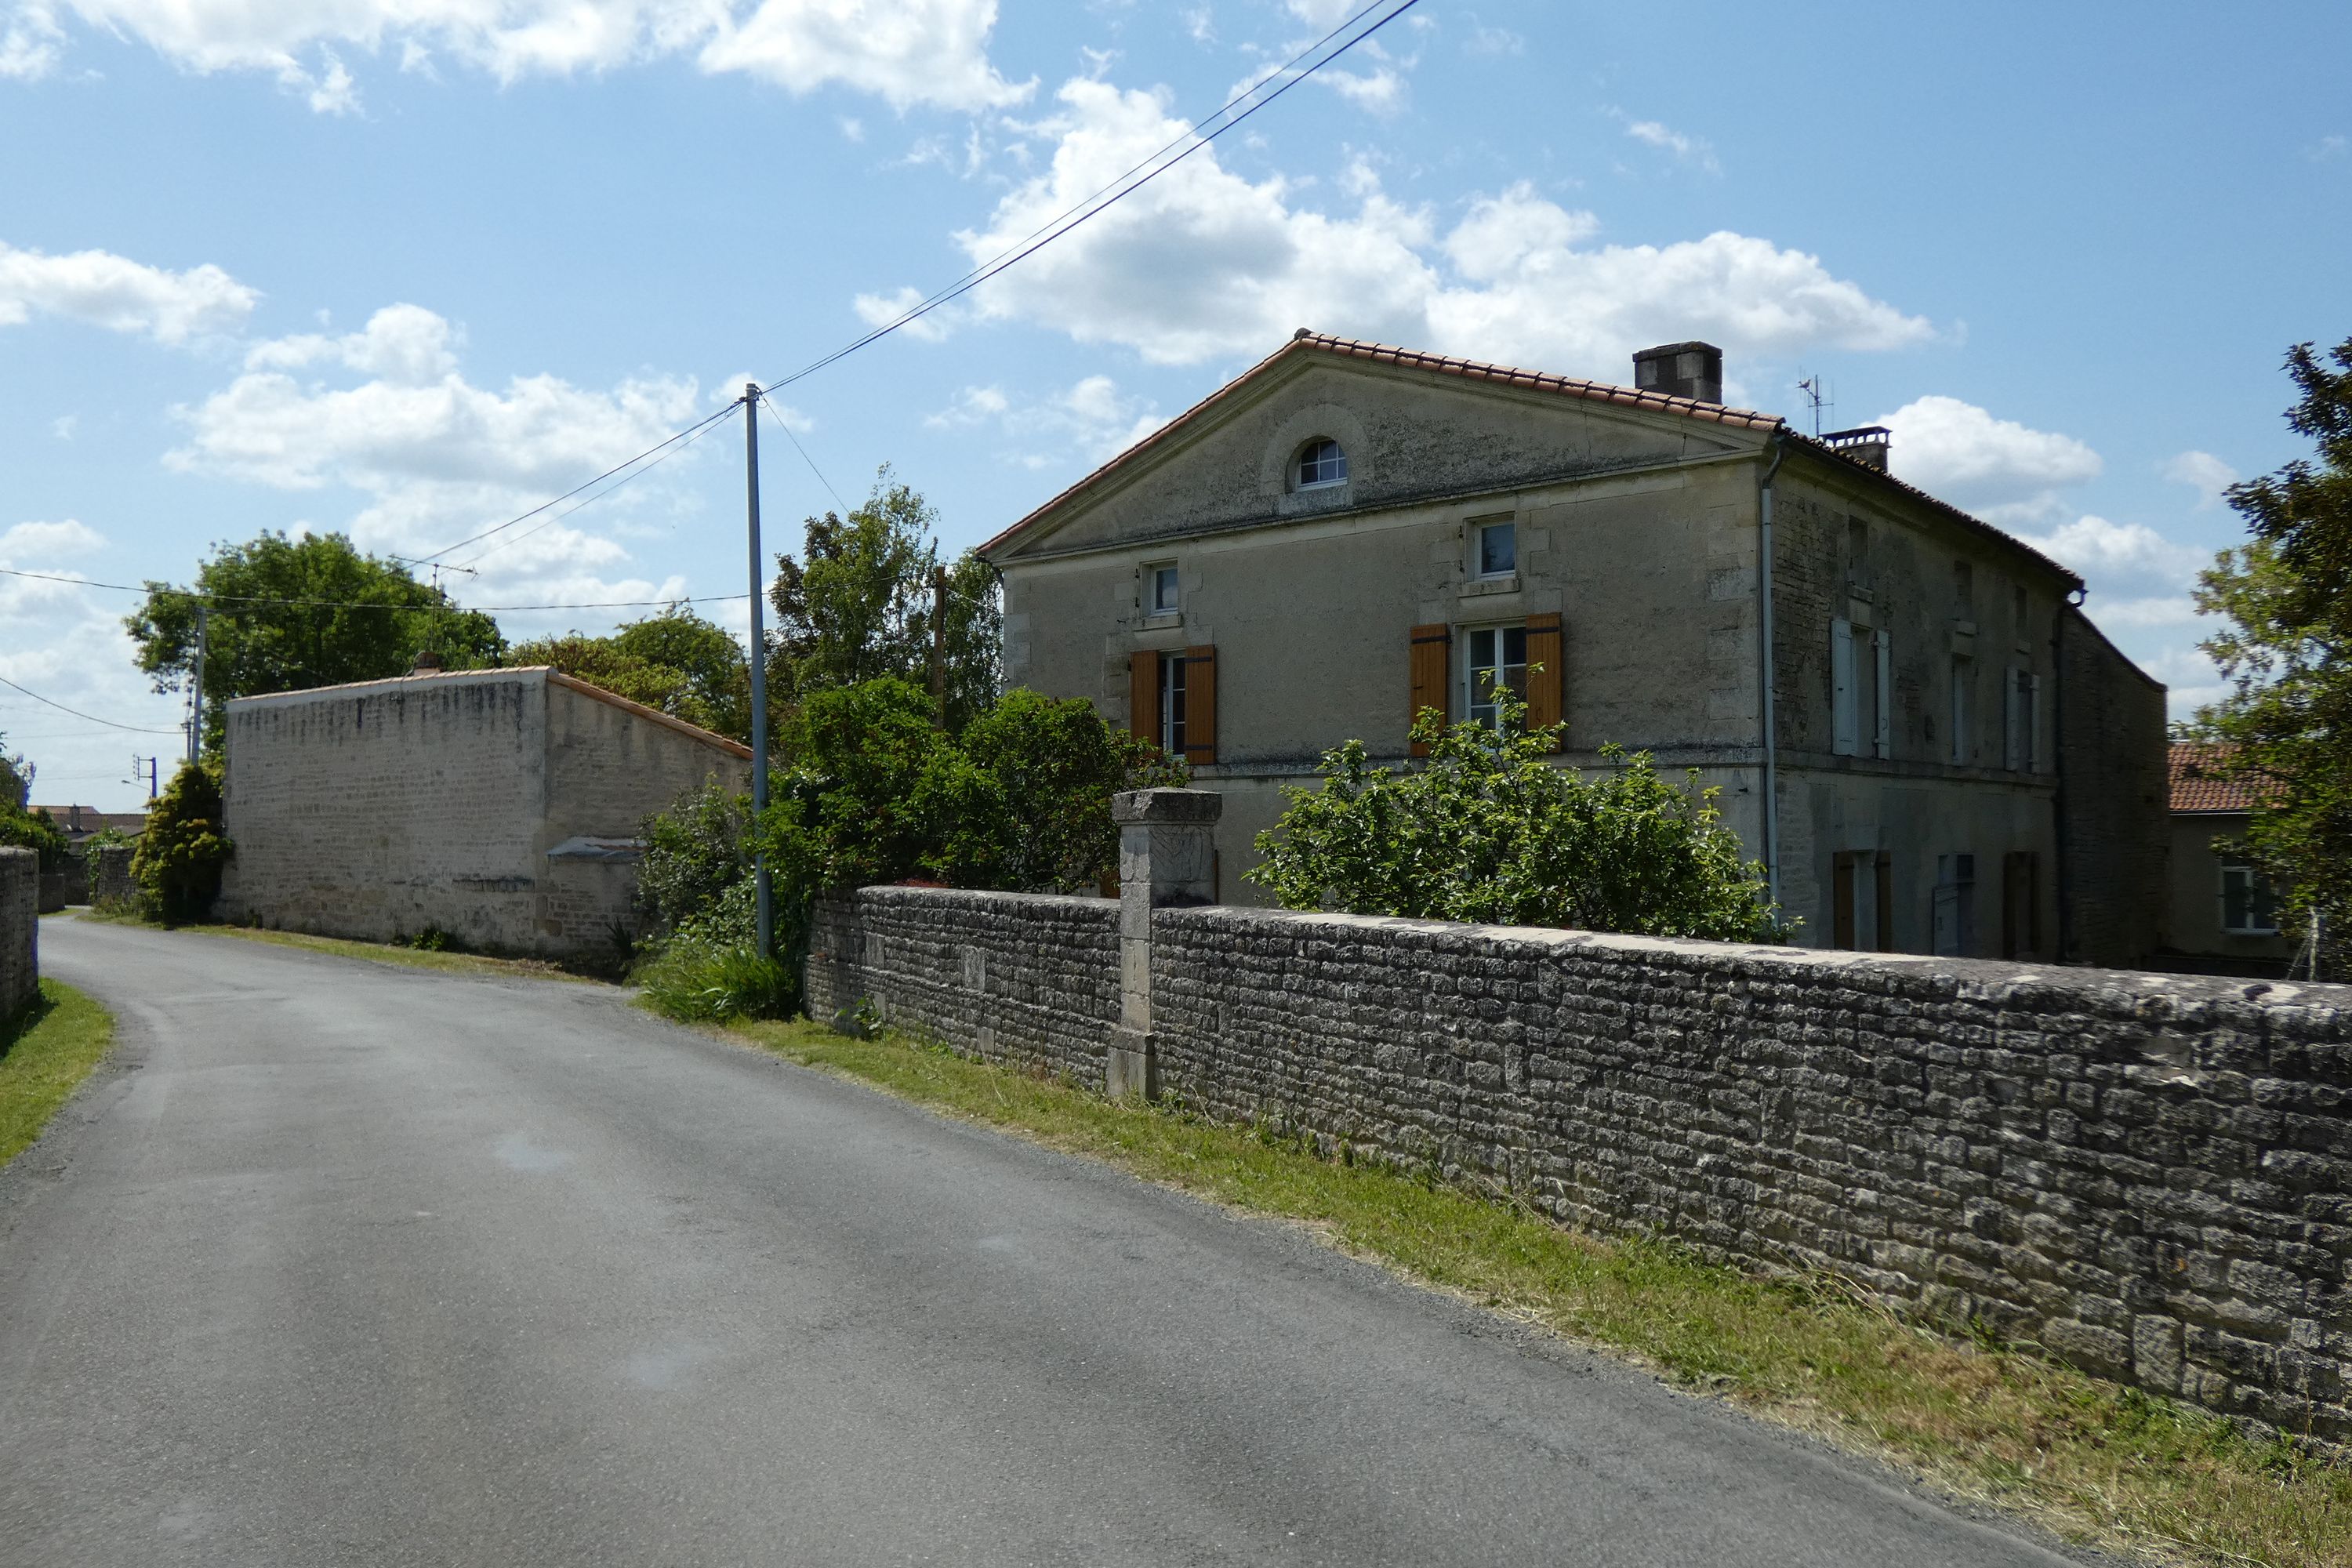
[(499, 805), (2222, 913), (1912, 724)]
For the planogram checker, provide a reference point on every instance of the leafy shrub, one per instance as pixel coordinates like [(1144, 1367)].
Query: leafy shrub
[(1493, 831), (710, 966), (433, 938), (694, 852), (178, 862), (34, 830)]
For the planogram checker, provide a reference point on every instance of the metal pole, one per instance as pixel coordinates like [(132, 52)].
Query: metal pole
[(196, 721), (762, 884), (939, 644)]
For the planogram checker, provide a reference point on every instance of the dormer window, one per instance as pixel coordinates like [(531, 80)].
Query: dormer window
[(1321, 464)]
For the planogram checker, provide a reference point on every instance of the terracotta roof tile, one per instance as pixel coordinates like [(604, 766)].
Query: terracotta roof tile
[(2197, 783)]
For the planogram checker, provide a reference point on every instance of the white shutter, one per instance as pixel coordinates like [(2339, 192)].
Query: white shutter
[(2034, 753), (1842, 729), (1882, 740)]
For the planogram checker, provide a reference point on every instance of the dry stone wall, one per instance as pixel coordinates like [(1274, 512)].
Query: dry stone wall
[(2150, 1175), (20, 969)]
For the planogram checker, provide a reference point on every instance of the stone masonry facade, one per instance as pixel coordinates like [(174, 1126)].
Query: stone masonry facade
[(20, 968), (2149, 1175)]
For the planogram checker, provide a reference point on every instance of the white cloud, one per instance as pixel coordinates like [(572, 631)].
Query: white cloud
[(1486, 40), (1090, 418), (64, 426), (1379, 89), (2005, 471), (103, 289), (1204, 263), (2203, 472), (1693, 150), (1324, 13), (2160, 611), (2099, 549), (2330, 147), (29, 44), (907, 52), (436, 457), (33, 542), (1201, 22), (881, 310)]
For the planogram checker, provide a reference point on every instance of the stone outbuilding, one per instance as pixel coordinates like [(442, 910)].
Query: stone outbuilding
[(1912, 723), (2225, 914), (502, 806)]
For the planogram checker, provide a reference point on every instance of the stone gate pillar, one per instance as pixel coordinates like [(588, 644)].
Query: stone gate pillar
[(1167, 856)]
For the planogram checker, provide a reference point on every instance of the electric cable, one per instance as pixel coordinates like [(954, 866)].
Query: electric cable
[(701, 431), (778, 414), (134, 729), (220, 600)]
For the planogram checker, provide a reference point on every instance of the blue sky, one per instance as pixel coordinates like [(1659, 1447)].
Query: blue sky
[(408, 267)]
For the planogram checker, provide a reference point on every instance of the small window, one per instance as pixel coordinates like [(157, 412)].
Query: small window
[(2248, 903), (1498, 548), (1321, 462), (1498, 660), (1161, 588)]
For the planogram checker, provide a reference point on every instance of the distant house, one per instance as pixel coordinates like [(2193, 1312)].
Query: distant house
[(1912, 724), (2223, 914), (502, 806), (81, 822)]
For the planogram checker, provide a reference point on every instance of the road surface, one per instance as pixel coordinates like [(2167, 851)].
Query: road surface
[(342, 1263)]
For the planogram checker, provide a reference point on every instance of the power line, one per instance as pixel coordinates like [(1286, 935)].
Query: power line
[(785, 425), (218, 600), (699, 433), (1119, 189), (135, 729)]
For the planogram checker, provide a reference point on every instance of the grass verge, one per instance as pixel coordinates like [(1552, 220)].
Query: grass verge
[(2090, 1461), (46, 1051)]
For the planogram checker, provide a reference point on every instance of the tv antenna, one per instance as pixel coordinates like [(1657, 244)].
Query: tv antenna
[(1817, 397)]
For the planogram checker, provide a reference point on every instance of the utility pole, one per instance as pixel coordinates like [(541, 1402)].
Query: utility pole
[(196, 708), (939, 643), (763, 887)]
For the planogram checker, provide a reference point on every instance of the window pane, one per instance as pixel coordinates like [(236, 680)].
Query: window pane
[(1515, 646), (1482, 648), (1164, 588), (1498, 548), (1322, 463)]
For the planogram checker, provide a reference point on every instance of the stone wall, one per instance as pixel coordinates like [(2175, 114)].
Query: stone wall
[(2116, 799), (20, 968), (110, 876), (1013, 977), (2150, 1175)]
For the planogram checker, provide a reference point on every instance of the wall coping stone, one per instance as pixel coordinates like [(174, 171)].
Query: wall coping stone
[(1154, 808)]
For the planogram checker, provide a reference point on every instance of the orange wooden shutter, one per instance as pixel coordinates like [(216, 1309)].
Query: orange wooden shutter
[(1428, 669), (1201, 706), (1144, 695), (1546, 648)]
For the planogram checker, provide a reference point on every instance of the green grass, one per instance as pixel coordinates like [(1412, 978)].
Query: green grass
[(2090, 1461), (46, 1051)]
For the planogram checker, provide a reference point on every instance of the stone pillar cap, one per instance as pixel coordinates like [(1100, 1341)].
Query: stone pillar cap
[(1151, 807)]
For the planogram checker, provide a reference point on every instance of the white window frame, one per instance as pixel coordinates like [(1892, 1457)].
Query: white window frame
[(1153, 571), (2256, 885), (1478, 532), (1173, 708), (1473, 699), (1846, 718), (1298, 465)]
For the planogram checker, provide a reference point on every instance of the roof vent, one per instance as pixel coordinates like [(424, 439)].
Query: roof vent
[(1864, 444), (427, 662), (1681, 370)]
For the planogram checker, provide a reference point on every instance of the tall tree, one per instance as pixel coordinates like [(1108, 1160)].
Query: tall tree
[(288, 613), (861, 603), (675, 661), (2287, 655)]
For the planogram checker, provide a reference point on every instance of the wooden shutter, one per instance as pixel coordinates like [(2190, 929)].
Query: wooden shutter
[(1842, 899), (1546, 648), (1144, 695), (1885, 911), (1882, 738), (1200, 706), (2034, 754), (1842, 728), (1428, 669), (2013, 720)]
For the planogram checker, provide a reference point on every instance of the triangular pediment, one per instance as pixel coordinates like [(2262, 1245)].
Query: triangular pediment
[(1414, 429)]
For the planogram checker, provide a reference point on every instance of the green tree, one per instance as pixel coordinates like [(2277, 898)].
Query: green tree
[(288, 613), (675, 662), (860, 605), (1493, 831), (21, 828), (2286, 652), (178, 862)]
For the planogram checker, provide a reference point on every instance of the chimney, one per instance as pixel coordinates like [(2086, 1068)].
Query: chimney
[(427, 662), (1681, 370), (1864, 444)]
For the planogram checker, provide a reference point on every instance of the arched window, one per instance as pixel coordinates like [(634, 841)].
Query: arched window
[(1321, 462)]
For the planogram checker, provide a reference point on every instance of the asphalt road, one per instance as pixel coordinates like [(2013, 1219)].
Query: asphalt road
[(349, 1264)]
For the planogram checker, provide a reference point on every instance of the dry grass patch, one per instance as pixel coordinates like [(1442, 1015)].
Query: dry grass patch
[(2088, 1460)]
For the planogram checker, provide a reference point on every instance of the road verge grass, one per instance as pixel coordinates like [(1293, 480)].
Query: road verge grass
[(2090, 1461), (396, 953), (46, 1051)]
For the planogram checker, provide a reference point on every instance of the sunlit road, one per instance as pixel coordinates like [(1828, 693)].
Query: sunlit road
[(348, 1264)]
